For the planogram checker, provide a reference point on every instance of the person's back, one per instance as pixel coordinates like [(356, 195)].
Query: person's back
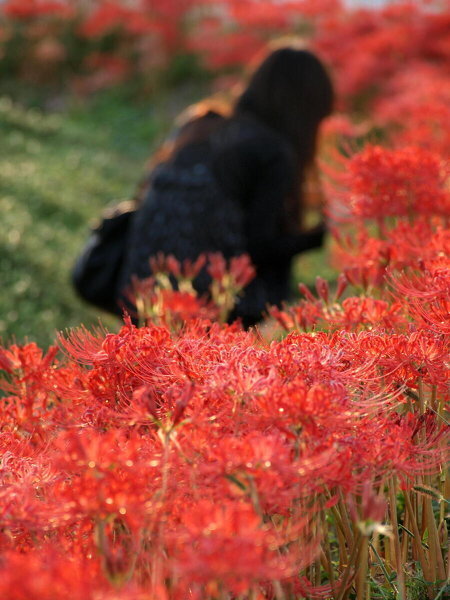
[(185, 213), (233, 185)]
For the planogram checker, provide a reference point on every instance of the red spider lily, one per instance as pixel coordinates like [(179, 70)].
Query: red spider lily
[(262, 469), (405, 182), (170, 265), (428, 284), (29, 360), (323, 290), (435, 315), (368, 260), (149, 405), (368, 312), (282, 317), (169, 297), (240, 270), (6, 362), (293, 408), (215, 536), (312, 356), (182, 306), (401, 359), (384, 41), (428, 293), (34, 377), (306, 315), (415, 106), (353, 314), (171, 17)]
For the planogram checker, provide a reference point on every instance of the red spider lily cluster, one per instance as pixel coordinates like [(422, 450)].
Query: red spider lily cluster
[(392, 207), (208, 463), (189, 459), (96, 43), (169, 298)]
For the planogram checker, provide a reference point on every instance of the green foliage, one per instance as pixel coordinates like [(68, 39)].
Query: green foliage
[(184, 67), (416, 587)]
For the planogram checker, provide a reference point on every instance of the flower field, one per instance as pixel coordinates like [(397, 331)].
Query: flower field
[(306, 458)]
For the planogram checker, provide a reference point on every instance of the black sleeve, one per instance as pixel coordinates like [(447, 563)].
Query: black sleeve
[(257, 167), (267, 244)]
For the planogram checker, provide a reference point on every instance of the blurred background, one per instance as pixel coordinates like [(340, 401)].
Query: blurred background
[(88, 88)]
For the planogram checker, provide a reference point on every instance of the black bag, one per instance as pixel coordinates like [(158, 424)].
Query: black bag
[(96, 271)]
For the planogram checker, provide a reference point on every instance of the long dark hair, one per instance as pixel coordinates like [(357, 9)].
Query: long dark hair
[(292, 93)]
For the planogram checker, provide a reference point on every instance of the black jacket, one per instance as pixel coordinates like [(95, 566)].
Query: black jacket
[(228, 194)]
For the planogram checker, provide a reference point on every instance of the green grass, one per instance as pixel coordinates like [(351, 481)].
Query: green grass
[(57, 173)]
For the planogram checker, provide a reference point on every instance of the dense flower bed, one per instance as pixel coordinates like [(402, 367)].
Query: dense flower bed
[(390, 63), (306, 459), (186, 459), (190, 459), (89, 44)]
